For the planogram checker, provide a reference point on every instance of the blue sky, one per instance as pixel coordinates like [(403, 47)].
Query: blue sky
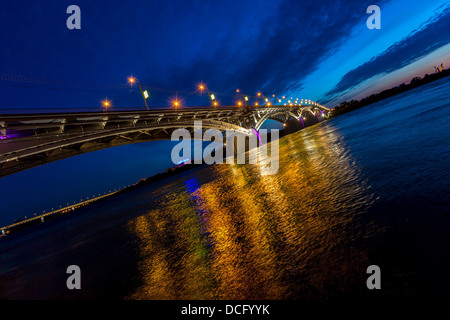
[(401, 21), (319, 50)]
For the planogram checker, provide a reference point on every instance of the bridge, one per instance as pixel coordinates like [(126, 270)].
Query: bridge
[(29, 140)]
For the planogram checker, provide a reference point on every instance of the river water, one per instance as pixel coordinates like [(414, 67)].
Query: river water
[(370, 187)]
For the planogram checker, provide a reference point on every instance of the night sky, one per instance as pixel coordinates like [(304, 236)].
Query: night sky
[(318, 50)]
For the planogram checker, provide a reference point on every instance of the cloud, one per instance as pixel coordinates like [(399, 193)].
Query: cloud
[(430, 36), (253, 45), (277, 53)]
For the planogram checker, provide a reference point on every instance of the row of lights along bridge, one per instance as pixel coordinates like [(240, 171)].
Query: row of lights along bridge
[(241, 98)]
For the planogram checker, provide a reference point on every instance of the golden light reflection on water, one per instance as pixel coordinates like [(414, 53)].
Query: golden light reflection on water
[(244, 235)]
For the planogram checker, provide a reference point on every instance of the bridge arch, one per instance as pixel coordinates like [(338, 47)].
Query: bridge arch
[(53, 149), (31, 140), (284, 114), (274, 116)]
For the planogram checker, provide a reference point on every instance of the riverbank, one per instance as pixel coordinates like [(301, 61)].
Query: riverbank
[(23, 224), (415, 82)]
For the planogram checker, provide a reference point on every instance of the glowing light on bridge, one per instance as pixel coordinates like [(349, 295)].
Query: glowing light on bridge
[(106, 103), (175, 102)]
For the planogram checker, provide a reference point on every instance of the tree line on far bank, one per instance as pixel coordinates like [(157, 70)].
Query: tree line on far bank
[(415, 82)]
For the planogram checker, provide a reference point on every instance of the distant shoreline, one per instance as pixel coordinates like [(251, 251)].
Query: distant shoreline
[(415, 82)]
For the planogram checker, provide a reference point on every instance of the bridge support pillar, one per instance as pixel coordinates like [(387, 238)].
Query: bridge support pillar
[(293, 125), (238, 144)]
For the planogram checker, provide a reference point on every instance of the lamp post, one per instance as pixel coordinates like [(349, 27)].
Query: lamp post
[(145, 94), (202, 87), (246, 101)]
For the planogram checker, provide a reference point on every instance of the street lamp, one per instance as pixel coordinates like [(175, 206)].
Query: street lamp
[(106, 104), (202, 87), (145, 94), (213, 99)]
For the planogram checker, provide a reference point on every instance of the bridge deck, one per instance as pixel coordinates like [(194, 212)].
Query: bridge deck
[(27, 140)]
